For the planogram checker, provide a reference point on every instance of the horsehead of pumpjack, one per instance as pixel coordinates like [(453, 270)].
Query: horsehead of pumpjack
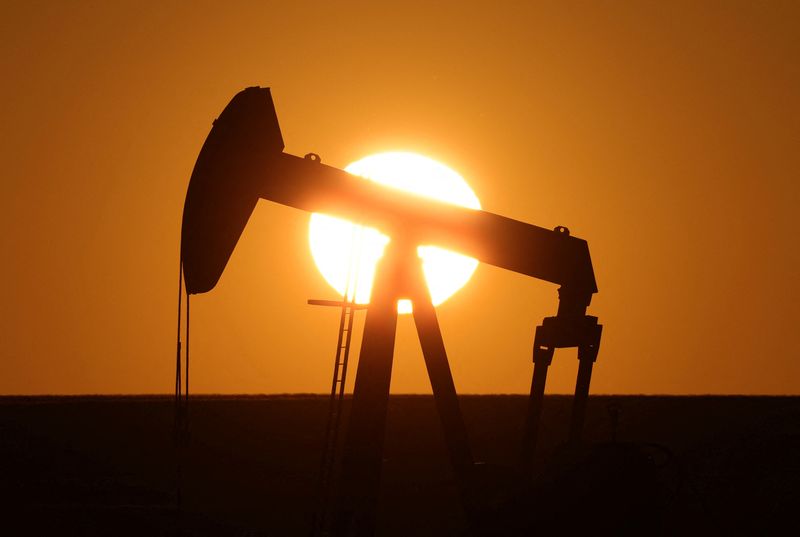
[(243, 161)]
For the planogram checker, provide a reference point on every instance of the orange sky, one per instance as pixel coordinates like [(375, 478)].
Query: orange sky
[(667, 136)]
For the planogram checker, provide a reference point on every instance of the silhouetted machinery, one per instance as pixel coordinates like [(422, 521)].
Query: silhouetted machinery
[(242, 160)]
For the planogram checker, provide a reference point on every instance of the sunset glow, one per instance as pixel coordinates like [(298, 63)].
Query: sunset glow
[(342, 250)]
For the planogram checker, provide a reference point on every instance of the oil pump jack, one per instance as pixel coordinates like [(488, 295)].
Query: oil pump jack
[(243, 161)]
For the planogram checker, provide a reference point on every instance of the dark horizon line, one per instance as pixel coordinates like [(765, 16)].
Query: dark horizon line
[(321, 395)]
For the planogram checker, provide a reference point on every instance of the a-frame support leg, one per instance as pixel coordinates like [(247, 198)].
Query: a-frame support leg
[(445, 396), (363, 450), (399, 276)]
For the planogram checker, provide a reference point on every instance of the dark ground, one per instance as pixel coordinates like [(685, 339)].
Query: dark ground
[(681, 465)]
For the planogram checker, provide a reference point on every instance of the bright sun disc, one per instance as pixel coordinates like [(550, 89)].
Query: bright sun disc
[(344, 251)]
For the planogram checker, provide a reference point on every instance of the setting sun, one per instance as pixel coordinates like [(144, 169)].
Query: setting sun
[(346, 254)]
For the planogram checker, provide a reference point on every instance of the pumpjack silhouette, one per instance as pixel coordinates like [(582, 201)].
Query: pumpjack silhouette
[(243, 161)]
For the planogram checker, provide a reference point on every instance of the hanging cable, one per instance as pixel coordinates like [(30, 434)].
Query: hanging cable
[(178, 423), (186, 372), (178, 354)]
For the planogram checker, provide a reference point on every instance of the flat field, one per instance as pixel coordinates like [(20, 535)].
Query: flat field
[(676, 466)]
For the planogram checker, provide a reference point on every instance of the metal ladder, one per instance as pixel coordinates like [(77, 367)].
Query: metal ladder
[(321, 519)]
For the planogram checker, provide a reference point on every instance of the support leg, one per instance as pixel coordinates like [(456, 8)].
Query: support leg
[(444, 394), (363, 450)]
